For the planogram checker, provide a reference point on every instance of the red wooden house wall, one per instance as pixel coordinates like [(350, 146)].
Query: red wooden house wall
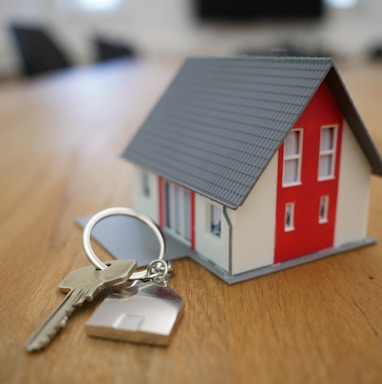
[(309, 235)]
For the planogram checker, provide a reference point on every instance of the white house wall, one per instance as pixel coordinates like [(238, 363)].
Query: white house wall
[(254, 223), (208, 245), (353, 191), (146, 204)]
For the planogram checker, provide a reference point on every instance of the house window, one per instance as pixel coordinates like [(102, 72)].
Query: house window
[(187, 214), (177, 209), (177, 202), (215, 220), (324, 209), (292, 157), (327, 152), (145, 184), (289, 217)]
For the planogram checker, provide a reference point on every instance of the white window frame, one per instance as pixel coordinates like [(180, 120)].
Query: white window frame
[(323, 214), (214, 211), (325, 153), (293, 157), (289, 209), (178, 213)]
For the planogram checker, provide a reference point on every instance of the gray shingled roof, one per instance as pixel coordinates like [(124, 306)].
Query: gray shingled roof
[(221, 121)]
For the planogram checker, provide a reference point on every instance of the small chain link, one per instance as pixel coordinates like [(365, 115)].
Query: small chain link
[(159, 271)]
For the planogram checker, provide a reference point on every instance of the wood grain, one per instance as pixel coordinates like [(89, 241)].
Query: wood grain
[(60, 141)]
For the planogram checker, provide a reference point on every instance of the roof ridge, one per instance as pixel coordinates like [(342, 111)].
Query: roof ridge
[(265, 58)]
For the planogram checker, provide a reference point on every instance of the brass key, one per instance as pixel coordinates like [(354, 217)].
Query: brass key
[(80, 285)]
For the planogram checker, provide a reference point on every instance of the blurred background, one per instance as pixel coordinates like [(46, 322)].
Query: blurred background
[(81, 32)]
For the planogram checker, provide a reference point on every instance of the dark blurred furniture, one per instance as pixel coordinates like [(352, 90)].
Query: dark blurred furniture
[(38, 51), (375, 52), (231, 10), (106, 49)]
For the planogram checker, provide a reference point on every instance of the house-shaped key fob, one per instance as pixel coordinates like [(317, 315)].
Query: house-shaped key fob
[(145, 313)]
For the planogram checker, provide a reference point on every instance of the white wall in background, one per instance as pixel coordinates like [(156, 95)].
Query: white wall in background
[(168, 27)]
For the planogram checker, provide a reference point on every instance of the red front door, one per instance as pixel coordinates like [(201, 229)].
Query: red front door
[(308, 172)]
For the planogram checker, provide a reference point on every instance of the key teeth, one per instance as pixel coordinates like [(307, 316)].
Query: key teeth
[(43, 341)]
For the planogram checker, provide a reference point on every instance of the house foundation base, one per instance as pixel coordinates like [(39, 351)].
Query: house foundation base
[(116, 235), (233, 279)]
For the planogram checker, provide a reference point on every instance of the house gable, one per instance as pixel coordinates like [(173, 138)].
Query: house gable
[(354, 121)]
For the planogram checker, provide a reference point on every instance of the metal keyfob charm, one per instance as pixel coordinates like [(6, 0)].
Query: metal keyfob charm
[(144, 313), (148, 310)]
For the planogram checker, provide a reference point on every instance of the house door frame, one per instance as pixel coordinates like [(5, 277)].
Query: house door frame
[(177, 211)]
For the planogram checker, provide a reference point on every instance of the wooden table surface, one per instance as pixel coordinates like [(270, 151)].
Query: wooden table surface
[(60, 141)]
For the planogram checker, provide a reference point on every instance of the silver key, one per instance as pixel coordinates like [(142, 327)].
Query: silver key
[(80, 285)]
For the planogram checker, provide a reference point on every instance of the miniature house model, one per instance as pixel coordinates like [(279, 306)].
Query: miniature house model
[(256, 164)]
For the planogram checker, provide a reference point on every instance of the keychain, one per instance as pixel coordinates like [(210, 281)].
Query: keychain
[(148, 310)]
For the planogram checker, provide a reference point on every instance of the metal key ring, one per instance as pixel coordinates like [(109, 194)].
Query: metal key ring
[(124, 211)]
